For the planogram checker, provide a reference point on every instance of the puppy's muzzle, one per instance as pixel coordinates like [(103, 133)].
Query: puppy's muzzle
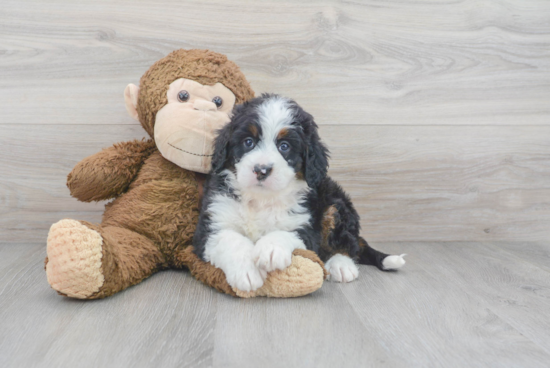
[(262, 171)]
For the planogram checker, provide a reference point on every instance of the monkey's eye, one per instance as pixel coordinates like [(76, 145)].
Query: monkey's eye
[(183, 96), (218, 101), (248, 142), (284, 147)]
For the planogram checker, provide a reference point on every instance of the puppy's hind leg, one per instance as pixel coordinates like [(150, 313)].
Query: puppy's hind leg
[(341, 268), (384, 262)]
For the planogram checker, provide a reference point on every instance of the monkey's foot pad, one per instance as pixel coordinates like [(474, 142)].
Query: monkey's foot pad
[(305, 275), (74, 259)]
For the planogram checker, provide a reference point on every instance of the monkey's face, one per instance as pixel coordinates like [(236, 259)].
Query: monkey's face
[(186, 126)]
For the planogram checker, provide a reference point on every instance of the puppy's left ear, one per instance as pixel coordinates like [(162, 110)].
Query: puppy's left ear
[(221, 149), (316, 158)]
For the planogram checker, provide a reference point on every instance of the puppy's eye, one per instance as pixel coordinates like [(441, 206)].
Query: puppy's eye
[(248, 142), (218, 101), (284, 146), (183, 96)]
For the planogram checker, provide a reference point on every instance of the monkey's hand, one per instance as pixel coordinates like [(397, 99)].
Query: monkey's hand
[(108, 173)]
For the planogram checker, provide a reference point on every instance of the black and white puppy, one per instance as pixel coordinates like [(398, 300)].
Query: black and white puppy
[(268, 193)]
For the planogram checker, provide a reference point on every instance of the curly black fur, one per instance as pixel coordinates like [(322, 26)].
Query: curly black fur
[(309, 159)]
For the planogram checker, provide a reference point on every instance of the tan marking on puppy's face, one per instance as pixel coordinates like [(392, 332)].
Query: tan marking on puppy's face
[(283, 133), (253, 130)]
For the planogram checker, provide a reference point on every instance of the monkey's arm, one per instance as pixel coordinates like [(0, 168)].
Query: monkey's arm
[(108, 173)]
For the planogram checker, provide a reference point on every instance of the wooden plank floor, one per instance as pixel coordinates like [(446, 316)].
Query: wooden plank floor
[(437, 114), (453, 305)]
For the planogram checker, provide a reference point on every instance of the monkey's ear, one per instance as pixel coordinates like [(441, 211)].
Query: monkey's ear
[(131, 99)]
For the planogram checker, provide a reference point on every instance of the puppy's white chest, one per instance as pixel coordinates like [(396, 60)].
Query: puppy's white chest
[(254, 218), (261, 218)]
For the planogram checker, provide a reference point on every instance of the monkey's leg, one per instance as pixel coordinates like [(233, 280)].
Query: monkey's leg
[(305, 275), (87, 261)]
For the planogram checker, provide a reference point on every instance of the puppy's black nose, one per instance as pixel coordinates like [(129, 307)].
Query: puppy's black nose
[(262, 171)]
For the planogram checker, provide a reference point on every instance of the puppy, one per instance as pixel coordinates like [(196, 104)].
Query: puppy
[(268, 193)]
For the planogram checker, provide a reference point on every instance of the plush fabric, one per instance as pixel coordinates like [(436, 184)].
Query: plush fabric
[(76, 253), (108, 173), (304, 275), (203, 66), (188, 142), (149, 224)]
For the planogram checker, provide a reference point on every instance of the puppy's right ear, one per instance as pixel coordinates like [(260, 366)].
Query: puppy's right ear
[(221, 149)]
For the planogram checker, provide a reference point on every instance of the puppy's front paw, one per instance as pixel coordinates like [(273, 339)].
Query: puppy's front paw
[(342, 268), (271, 256), (274, 250), (246, 277)]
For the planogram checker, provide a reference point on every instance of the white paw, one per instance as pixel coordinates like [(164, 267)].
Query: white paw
[(341, 268), (270, 256), (233, 253), (246, 277), (393, 262), (274, 251)]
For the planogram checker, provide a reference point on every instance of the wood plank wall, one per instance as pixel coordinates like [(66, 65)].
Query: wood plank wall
[(437, 113)]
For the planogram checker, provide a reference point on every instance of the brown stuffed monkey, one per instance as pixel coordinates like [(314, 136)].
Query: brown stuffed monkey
[(181, 101)]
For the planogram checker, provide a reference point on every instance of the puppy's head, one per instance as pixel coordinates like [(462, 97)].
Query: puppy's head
[(270, 143)]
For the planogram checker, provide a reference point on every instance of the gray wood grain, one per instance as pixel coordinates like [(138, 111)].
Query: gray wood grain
[(445, 183), (35, 165), (437, 116), (515, 290), (382, 79), (168, 320), (424, 318), (453, 305), (408, 183), (536, 253), (318, 330), (370, 62)]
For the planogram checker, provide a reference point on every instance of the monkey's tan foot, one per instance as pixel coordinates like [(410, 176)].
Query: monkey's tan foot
[(74, 259), (305, 275)]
